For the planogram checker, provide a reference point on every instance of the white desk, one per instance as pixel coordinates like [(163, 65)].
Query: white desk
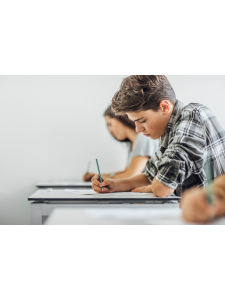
[(45, 202), (56, 194), (63, 184), (139, 214)]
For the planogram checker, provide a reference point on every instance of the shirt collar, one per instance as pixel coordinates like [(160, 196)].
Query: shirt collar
[(177, 108)]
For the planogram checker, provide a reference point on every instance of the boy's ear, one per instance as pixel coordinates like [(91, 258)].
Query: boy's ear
[(165, 106)]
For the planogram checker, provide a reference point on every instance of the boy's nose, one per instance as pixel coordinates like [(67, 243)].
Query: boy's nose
[(138, 128)]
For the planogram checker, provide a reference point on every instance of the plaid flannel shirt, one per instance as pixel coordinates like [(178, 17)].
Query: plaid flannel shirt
[(193, 135)]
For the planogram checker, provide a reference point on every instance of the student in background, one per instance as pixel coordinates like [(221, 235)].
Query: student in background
[(194, 203), (140, 148)]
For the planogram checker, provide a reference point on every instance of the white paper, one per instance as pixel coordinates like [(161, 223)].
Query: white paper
[(92, 192), (124, 194), (81, 191)]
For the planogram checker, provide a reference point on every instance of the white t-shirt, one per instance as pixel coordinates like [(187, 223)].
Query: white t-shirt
[(143, 146)]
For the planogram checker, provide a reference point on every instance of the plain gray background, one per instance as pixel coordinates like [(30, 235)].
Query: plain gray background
[(51, 126)]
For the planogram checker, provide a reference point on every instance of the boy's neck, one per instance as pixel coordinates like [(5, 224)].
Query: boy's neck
[(169, 115)]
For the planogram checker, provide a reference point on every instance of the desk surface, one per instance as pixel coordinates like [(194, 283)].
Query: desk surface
[(63, 183), (63, 195), (139, 214)]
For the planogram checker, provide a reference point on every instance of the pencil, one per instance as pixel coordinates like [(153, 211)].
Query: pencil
[(88, 168), (209, 175), (99, 172)]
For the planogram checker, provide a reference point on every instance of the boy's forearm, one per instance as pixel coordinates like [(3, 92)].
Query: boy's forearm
[(127, 184)]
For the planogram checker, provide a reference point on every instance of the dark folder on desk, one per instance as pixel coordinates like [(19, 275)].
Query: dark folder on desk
[(62, 196)]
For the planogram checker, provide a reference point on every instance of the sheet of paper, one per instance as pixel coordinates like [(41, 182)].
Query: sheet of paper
[(124, 194), (81, 191), (92, 192)]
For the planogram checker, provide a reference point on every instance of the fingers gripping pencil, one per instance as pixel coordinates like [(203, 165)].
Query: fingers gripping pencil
[(99, 172)]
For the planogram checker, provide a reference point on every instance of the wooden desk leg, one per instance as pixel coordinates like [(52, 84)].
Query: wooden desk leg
[(35, 214)]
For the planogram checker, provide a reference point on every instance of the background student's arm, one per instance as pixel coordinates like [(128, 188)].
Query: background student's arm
[(116, 173), (136, 166), (90, 175)]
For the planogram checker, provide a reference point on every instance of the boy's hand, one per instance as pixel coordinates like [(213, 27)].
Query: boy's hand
[(108, 184), (88, 177), (143, 189)]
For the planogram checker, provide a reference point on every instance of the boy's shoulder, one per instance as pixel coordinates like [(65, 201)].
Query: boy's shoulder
[(197, 110), (195, 107)]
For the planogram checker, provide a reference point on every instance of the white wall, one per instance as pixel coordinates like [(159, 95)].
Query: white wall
[(51, 126), (206, 89)]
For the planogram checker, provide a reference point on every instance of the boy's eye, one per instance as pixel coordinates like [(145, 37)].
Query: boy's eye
[(143, 121)]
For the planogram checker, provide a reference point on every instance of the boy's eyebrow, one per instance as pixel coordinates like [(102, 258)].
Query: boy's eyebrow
[(138, 119)]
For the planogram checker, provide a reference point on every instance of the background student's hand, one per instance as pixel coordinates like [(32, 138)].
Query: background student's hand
[(89, 176), (107, 183), (195, 207), (143, 189)]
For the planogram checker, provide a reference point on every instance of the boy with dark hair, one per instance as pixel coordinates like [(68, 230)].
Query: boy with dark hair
[(189, 135)]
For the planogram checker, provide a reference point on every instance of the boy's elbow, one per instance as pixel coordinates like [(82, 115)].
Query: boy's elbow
[(161, 194), (163, 191)]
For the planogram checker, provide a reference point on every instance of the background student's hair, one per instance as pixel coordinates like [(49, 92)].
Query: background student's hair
[(121, 118), (142, 92)]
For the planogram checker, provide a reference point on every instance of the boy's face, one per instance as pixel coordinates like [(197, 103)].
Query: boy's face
[(151, 123)]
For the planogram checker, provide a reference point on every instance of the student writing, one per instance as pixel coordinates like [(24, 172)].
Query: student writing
[(140, 148), (189, 135)]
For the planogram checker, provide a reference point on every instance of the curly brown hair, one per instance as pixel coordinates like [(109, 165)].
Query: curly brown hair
[(142, 92)]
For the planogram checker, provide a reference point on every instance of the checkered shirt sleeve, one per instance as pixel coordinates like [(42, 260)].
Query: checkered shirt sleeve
[(185, 153)]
